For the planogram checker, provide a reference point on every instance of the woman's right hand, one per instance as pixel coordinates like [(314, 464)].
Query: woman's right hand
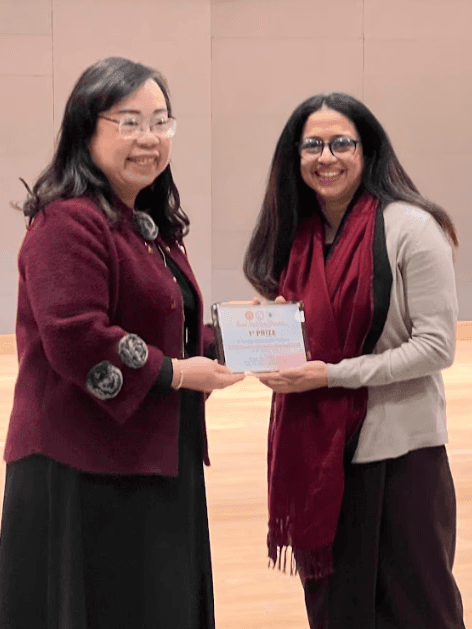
[(203, 374)]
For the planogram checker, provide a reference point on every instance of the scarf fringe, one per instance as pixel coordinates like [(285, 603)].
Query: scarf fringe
[(309, 563), (281, 551)]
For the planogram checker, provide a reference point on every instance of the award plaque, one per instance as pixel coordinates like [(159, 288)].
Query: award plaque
[(262, 338)]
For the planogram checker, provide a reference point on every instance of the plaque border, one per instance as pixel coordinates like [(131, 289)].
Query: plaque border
[(220, 352)]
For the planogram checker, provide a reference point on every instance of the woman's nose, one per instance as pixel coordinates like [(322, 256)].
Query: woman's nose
[(326, 156), (147, 137)]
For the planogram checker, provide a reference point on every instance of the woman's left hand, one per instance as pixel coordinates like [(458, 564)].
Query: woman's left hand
[(311, 375)]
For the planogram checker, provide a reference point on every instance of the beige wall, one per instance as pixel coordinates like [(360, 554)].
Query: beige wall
[(236, 71)]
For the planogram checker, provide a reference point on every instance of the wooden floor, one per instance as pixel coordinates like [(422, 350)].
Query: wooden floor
[(248, 595)]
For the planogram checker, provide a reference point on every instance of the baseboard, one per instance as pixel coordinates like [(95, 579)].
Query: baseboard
[(8, 341)]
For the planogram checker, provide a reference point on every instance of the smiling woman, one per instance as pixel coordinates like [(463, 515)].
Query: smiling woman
[(357, 434), (105, 491)]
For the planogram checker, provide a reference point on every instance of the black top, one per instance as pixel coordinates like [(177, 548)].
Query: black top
[(163, 382)]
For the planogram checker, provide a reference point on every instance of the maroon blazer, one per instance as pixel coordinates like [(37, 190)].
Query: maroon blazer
[(97, 314)]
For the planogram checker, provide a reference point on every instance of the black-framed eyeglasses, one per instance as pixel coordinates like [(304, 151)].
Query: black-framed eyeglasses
[(342, 146), (131, 126)]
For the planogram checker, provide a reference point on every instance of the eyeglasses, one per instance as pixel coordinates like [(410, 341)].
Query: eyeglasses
[(339, 147), (132, 126)]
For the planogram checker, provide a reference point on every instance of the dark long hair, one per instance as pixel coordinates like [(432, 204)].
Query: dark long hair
[(73, 173), (288, 199)]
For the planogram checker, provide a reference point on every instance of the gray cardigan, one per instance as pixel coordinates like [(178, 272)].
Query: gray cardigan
[(406, 407)]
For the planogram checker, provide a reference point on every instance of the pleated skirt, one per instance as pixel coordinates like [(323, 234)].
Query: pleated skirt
[(90, 551)]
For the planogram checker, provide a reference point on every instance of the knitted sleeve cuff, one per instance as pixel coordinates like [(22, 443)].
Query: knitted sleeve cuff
[(163, 383)]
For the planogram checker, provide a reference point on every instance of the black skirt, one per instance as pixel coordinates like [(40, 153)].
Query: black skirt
[(89, 551)]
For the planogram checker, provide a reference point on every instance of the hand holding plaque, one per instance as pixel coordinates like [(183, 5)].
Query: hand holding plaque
[(260, 338)]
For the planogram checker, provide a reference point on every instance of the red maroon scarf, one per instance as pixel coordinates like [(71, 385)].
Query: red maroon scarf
[(308, 431)]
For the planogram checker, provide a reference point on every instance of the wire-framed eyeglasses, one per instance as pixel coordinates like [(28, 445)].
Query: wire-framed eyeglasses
[(131, 126), (342, 146)]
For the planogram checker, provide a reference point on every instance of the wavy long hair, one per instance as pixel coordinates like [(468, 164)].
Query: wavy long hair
[(73, 173), (288, 199)]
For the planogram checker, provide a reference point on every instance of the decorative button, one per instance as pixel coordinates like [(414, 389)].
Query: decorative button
[(145, 226), (174, 280), (104, 380), (133, 351)]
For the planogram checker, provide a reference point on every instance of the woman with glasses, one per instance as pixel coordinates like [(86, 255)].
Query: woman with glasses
[(359, 481), (104, 519)]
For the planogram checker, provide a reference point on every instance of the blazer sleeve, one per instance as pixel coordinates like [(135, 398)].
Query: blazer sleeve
[(69, 265), (427, 270)]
